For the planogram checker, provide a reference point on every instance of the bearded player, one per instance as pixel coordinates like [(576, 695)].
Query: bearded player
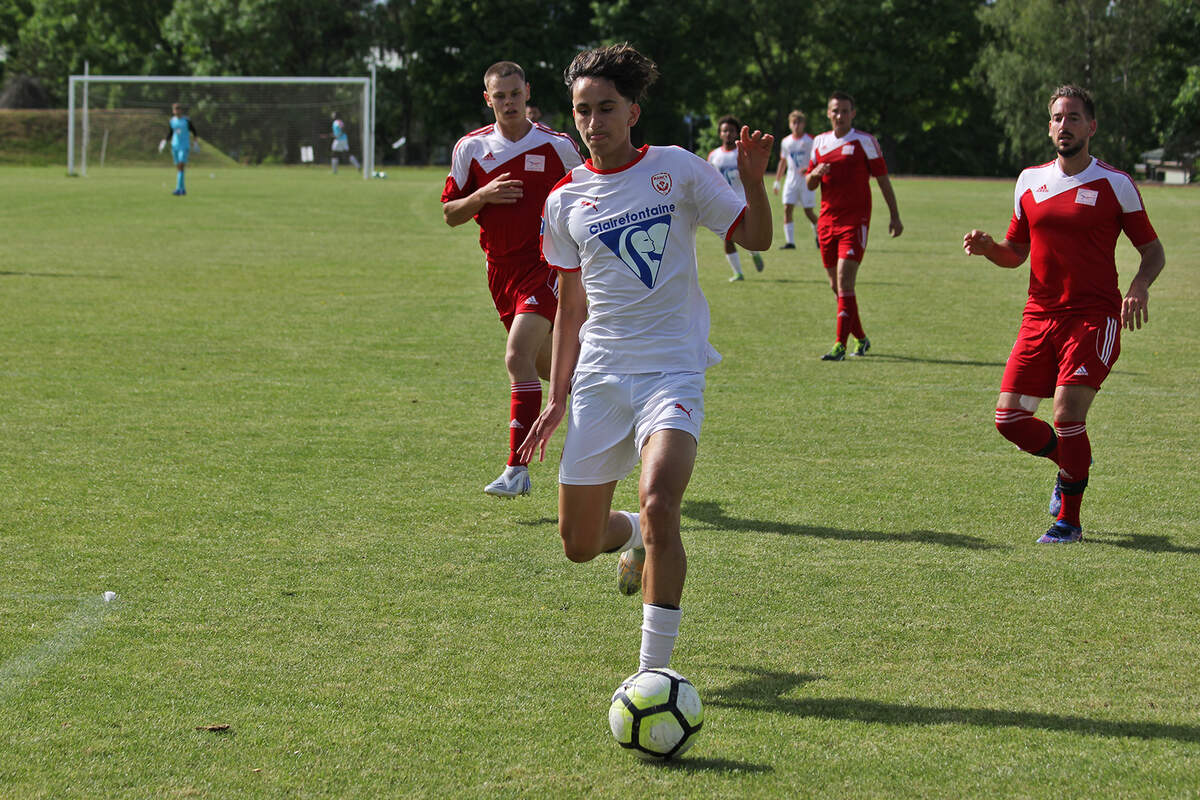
[(1067, 217)]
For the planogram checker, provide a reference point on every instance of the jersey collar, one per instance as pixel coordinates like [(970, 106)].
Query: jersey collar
[(641, 154)]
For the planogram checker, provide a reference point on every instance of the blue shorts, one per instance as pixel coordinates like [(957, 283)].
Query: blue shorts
[(180, 154)]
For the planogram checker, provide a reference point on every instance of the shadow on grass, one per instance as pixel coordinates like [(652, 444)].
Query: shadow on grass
[(710, 513), (764, 692), (1149, 542), (957, 362), (540, 521), (57, 275), (689, 763)]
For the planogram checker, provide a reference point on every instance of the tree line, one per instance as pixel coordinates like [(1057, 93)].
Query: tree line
[(948, 86)]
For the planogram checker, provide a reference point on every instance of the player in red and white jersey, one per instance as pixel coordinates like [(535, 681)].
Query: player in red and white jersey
[(1067, 217), (500, 176), (725, 161), (842, 164), (631, 337), (795, 151)]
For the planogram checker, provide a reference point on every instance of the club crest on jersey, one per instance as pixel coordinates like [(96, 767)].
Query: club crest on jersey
[(1087, 197), (661, 182), (640, 245)]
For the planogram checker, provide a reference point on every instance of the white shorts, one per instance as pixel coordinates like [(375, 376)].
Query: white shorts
[(796, 192), (612, 416), (341, 145)]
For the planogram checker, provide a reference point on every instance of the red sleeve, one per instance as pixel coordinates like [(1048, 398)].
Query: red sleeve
[(451, 191), (1018, 228), (1138, 228)]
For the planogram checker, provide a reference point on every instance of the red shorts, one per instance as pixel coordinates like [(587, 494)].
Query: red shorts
[(523, 290), (1062, 352), (841, 241)]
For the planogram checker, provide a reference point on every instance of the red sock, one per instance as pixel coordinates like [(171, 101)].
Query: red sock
[(1027, 432), (851, 305), (526, 405), (843, 318), (1075, 458)]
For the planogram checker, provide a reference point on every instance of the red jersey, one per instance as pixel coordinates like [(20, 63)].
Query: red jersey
[(510, 233), (846, 188), (1071, 223)]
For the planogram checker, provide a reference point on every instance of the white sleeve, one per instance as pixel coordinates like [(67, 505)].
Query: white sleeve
[(460, 164), (568, 153), (717, 205), (558, 248)]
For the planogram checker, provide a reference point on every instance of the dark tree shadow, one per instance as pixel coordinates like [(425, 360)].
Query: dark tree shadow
[(763, 692), (1148, 542), (710, 513)]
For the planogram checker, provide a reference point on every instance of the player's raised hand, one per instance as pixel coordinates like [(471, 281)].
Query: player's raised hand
[(754, 150), (502, 190), (543, 428), (977, 243)]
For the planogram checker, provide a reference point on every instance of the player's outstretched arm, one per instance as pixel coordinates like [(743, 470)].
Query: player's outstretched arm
[(754, 150), (1135, 307), (501, 191), (572, 312), (1003, 254)]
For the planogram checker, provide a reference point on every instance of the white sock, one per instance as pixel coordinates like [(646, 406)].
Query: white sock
[(789, 231), (335, 163), (354, 161), (814, 227), (660, 627), (635, 538), (735, 261)]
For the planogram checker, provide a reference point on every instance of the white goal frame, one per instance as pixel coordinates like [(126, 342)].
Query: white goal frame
[(366, 84)]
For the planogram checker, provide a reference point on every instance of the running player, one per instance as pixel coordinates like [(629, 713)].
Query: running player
[(795, 149), (1068, 215), (843, 161), (631, 338), (500, 176), (725, 159), (181, 131)]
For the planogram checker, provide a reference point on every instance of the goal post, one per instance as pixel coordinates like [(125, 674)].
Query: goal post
[(119, 119)]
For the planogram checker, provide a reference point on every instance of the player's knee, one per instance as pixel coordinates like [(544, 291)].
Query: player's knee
[(661, 515), (580, 542)]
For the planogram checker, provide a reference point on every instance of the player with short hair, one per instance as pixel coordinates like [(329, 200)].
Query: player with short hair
[(795, 149), (341, 143), (532, 112), (842, 164), (499, 176), (631, 337), (181, 130), (725, 160), (1067, 217)]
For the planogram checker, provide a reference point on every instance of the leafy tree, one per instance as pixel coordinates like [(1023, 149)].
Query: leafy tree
[(1111, 47)]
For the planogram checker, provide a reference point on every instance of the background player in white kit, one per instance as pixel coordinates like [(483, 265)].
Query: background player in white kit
[(631, 337), (725, 159), (794, 151)]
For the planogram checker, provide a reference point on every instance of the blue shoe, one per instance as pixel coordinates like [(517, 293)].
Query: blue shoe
[(1062, 533), (1056, 498), (177, 192)]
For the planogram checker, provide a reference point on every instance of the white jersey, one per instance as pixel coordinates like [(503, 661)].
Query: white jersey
[(796, 152), (726, 163), (631, 233)]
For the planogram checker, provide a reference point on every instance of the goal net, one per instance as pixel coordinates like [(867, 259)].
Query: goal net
[(120, 120)]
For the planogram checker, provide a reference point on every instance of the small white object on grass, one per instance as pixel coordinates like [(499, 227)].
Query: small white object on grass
[(109, 596)]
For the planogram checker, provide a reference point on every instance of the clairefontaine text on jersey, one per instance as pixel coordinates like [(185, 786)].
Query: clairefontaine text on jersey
[(632, 216)]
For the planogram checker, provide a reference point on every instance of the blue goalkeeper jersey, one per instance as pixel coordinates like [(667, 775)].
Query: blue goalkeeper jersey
[(180, 127)]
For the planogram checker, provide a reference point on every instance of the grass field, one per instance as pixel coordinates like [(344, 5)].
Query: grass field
[(263, 415)]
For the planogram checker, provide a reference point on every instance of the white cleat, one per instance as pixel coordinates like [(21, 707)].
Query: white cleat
[(512, 482)]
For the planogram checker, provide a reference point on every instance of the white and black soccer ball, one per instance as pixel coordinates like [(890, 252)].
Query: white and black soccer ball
[(656, 713)]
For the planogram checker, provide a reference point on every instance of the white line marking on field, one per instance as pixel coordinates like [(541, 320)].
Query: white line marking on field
[(70, 635)]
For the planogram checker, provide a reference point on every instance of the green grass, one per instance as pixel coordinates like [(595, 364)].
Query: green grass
[(263, 415)]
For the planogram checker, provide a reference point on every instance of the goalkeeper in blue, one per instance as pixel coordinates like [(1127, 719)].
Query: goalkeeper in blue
[(181, 131)]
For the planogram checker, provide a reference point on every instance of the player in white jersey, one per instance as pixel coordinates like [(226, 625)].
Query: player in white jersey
[(631, 335), (725, 160), (794, 152)]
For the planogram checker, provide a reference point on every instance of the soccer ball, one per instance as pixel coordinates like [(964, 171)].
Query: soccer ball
[(656, 713)]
